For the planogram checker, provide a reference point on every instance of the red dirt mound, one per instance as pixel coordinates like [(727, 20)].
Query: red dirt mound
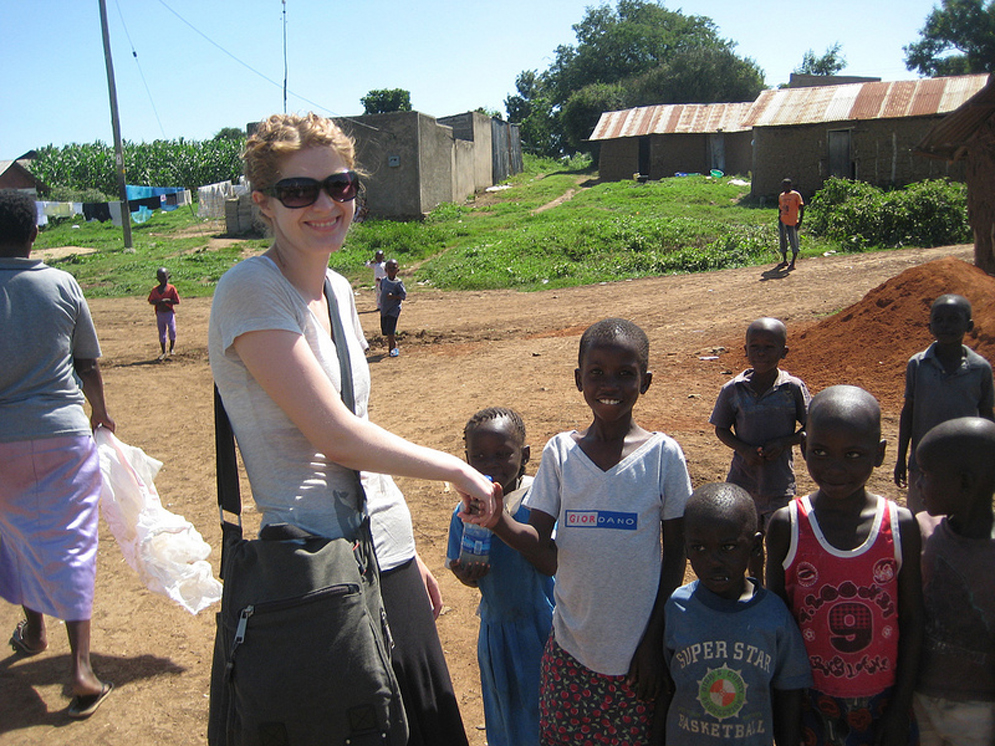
[(869, 343)]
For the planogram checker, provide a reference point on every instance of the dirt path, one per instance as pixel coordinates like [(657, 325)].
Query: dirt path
[(460, 352)]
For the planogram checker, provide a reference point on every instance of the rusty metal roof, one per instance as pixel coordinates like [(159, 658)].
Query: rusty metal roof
[(854, 101), (666, 119), (949, 138)]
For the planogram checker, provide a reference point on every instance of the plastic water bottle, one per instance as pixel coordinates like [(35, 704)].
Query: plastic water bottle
[(475, 546)]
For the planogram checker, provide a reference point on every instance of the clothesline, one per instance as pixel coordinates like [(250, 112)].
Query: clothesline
[(142, 201)]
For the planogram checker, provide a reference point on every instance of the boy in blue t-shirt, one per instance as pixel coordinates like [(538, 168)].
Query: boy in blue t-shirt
[(734, 652)]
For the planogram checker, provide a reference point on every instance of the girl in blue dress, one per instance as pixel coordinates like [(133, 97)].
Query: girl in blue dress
[(516, 600)]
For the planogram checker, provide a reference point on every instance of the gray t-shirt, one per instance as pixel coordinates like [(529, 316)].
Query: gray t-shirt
[(44, 324), (291, 482), (938, 396), (609, 542)]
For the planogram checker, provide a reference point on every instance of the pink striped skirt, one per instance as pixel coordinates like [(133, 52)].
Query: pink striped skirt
[(49, 501)]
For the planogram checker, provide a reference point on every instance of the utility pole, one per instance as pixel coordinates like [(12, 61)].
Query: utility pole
[(116, 126), (284, 56)]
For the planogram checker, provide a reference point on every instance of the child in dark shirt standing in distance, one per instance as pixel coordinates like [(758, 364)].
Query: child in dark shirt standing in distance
[(736, 656), (614, 491), (392, 292), (164, 297), (516, 600), (846, 562), (945, 381), (955, 696), (760, 415)]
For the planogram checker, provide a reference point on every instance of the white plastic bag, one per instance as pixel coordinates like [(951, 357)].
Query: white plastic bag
[(165, 549)]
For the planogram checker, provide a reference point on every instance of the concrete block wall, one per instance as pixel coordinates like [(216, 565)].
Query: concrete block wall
[(387, 153), (242, 217), (476, 128)]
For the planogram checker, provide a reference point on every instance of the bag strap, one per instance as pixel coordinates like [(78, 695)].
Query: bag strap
[(345, 368), (229, 494), (341, 347)]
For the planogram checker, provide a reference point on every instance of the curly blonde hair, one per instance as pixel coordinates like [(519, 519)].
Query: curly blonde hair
[(284, 134)]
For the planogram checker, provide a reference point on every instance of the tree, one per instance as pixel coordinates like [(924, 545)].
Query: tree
[(684, 57), (958, 39), (386, 100), (230, 133), (831, 63), (613, 45), (701, 75), (533, 111), (582, 110)]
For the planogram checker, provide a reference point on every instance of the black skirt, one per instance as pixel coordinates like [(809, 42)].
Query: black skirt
[(419, 664)]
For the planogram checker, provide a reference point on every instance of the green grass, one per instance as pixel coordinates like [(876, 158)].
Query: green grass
[(605, 232), (112, 271)]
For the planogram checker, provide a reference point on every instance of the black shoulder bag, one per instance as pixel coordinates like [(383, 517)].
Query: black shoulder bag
[(302, 651)]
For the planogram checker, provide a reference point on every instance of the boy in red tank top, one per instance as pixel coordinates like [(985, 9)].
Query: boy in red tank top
[(846, 562)]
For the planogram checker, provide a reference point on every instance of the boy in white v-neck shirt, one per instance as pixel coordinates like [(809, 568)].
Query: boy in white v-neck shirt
[(616, 494)]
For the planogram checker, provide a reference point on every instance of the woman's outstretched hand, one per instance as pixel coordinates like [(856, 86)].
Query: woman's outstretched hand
[(482, 500)]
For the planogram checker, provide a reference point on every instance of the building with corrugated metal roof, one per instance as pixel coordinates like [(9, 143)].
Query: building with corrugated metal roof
[(862, 130), (659, 141)]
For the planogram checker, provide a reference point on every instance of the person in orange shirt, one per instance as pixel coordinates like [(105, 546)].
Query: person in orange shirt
[(164, 297), (790, 207)]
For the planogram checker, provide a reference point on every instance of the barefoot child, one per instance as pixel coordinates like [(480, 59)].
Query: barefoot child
[(760, 415), (955, 696), (736, 656), (945, 381), (164, 297), (614, 491), (846, 562), (516, 601)]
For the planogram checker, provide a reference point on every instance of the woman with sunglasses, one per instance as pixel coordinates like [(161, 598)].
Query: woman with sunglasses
[(274, 359)]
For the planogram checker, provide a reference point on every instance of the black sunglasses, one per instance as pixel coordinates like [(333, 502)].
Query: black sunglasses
[(301, 191)]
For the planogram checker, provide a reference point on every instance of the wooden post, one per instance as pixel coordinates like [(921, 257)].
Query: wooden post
[(116, 126)]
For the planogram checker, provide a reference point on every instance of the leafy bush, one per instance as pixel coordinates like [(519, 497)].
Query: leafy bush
[(858, 215), (67, 194)]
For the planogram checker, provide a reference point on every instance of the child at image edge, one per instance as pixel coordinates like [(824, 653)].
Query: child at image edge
[(736, 656), (164, 297), (516, 601), (945, 381), (955, 696), (846, 562), (613, 490), (760, 415)]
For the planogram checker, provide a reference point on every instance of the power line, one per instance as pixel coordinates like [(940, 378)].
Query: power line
[(141, 72), (246, 65)]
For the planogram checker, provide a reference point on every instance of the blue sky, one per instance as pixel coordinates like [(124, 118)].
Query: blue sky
[(452, 56)]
